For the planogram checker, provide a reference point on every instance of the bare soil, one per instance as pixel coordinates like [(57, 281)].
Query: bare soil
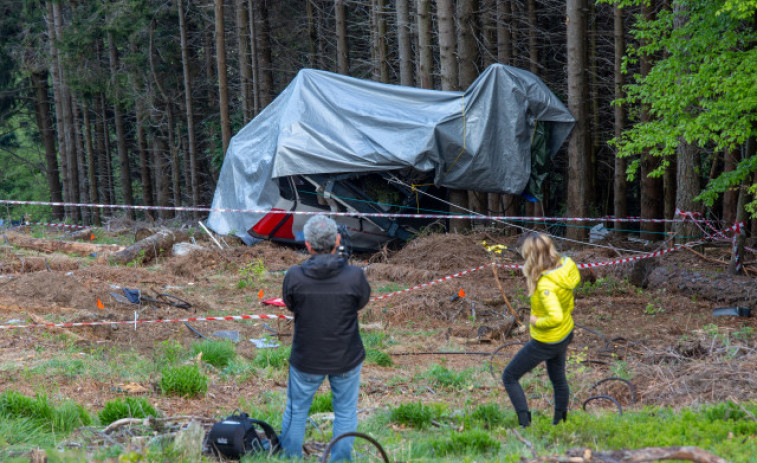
[(663, 337)]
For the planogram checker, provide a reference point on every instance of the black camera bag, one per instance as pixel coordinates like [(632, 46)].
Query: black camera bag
[(237, 435)]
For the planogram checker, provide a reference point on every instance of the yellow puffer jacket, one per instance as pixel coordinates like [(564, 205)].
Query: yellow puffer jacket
[(552, 302)]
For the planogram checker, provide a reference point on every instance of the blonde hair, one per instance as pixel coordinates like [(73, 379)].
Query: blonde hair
[(541, 255)]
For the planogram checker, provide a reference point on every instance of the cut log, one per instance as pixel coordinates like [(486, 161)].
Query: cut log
[(146, 249), (85, 234), (48, 245)]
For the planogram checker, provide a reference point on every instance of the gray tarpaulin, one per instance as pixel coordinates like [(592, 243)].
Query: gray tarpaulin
[(323, 122)]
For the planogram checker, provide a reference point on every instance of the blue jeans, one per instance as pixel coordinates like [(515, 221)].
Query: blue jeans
[(300, 391)]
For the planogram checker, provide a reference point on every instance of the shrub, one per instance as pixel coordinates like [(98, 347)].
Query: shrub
[(465, 443), (322, 403), (184, 381), (413, 414), (378, 357), (217, 353), (130, 407)]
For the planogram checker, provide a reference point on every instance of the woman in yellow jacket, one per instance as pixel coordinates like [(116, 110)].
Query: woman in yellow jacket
[(551, 280)]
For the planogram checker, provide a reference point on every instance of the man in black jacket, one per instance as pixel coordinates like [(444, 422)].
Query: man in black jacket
[(325, 295)]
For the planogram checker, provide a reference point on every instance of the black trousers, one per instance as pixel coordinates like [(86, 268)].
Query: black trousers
[(531, 355)]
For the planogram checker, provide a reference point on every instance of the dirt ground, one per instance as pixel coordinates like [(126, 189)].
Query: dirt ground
[(662, 337)]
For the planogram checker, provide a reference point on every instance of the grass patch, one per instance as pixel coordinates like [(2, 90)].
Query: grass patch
[(64, 418), (473, 442), (274, 358), (414, 414), (444, 378), (322, 403), (129, 407), (216, 353), (183, 381), (488, 415), (378, 357)]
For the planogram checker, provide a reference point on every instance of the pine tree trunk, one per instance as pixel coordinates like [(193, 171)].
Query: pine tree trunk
[(44, 123), (381, 63), (620, 184), (688, 187), (123, 155), (731, 195), (254, 58), (532, 208), (81, 166), (243, 58), (504, 36), (652, 206), (265, 62), (425, 47), (103, 147), (342, 50), (487, 18), (91, 164), (312, 34), (223, 87), (162, 184), (144, 158), (404, 42), (450, 81), (189, 107), (578, 185)]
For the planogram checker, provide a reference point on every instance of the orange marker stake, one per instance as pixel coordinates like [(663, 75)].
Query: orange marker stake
[(260, 294), (100, 304), (461, 293)]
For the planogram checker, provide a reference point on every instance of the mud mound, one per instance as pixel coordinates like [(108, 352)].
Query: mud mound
[(50, 290), (198, 263), (449, 253), (36, 264), (399, 273)]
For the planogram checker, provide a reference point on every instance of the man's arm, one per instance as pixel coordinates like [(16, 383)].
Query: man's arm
[(364, 291), (286, 292)]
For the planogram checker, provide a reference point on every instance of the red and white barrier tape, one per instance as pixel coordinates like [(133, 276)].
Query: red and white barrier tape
[(424, 285), (62, 225), (136, 322), (343, 214)]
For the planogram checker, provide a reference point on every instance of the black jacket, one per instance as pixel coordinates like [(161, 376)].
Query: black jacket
[(325, 294)]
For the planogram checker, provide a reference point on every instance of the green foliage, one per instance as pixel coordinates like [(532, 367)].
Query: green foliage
[(129, 407), (707, 55), (605, 286), (376, 339), (414, 414), (183, 381), (322, 403), (38, 410), (274, 358), (378, 357), (251, 273), (473, 442), (217, 353)]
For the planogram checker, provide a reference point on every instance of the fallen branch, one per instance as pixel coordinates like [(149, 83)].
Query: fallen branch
[(125, 422), (499, 285)]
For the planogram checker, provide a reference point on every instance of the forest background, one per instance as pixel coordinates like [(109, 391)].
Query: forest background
[(133, 102)]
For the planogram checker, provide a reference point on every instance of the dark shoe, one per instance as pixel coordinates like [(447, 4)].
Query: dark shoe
[(524, 419), (560, 415)]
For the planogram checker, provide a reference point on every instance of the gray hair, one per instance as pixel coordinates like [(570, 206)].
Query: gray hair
[(320, 232)]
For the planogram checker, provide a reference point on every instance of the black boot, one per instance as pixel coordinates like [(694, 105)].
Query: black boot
[(524, 419), (560, 415)]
